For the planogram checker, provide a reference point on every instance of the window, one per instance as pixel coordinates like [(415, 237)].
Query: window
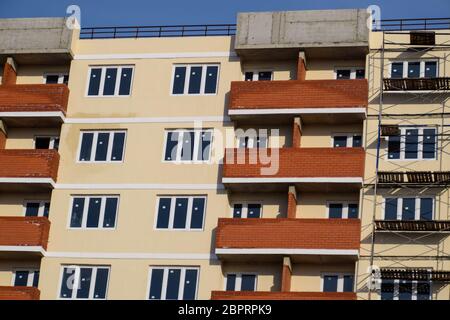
[(249, 142), (258, 75), (102, 146), (188, 145), (96, 212), (414, 69), (408, 208), (343, 210), (342, 140), (337, 283), (26, 278), (413, 144), (173, 283), (350, 73), (112, 81), (247, 210), (84, 282), (37, 208), (195, 79), (405, 290), (54, 78), (182, 213), (42, 142), (241, 282)]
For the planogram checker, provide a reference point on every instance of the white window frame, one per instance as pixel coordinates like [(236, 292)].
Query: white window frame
[(352, 71), (419, 143), (165, 278), (94, 146), (406, 63), (86, 208), (349, 139), (181, 133), (60, 75), (172, 212), (76, 283), (238, 284), (41, 206), (245, 204), (340, 284), (417, 207), (256, 73), (396, 292), (345, 205), (102, 81), (52, 140), (31, 275), (187, 79)]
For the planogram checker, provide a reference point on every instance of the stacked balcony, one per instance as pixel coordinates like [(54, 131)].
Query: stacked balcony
[(19, 293)]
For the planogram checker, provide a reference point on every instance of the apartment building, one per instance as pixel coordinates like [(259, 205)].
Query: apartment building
[(110, 186)]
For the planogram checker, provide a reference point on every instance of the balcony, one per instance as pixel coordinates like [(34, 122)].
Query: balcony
[(33, 105), (427, 226), (312, 99), (266, 295), (417, 84), (23, 235), (310, 169), (299, 238), (28, 169), (19, 293)]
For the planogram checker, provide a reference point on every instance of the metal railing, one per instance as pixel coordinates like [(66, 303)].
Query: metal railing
[(412, 24), (158, 31)]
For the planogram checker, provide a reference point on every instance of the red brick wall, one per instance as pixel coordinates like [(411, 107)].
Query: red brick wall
[(286, 276), (301, 69), (2, 139), (288, 233), (299, 94), (296, 135), (9, 75), (19, 293), (24, 231), (292, 206), (265, 295)]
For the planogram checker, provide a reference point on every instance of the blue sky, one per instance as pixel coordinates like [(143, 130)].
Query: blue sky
[(163, 12)]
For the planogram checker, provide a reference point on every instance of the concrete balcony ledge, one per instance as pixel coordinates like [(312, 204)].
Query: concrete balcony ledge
[(19, 293), (266, 295), (22, 235)]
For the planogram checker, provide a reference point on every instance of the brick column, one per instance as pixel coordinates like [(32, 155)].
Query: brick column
[(292, 202), (301, 66), (286, 275), (296, 132), (2, 135), (9, 72)]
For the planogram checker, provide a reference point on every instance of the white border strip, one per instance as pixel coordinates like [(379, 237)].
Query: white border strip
[(132, 255), (236, 112), (149, 120), (33, 249), (34, 114), (293, 180), (328, 252), (138, 186), (164, 55), (28, 180)]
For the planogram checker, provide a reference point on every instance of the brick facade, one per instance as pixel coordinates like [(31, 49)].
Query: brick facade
[(19, 293), (24, 231)]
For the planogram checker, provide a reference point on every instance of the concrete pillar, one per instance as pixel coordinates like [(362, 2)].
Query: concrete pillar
[(301, 66), (296, 132), (292, 203), (9, 72), (2, 135), (286, 275)]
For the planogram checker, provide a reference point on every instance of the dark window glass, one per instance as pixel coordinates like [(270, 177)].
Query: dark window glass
[(46, 209), (156, 283), (110, 213), (254, 210), (163, 213), (237, 211), (67, 283), (261, 142), (211, 79), (394, 147), (360, 73), (423, 291), (409, 209), (77, 213), (265, 76), (411, 144), (125, 81), (86, 146), (110, 82), (178, 80), (94, 212), (429, 143), (343, 74), (198, 209), (84, 283), (231, 282), (101, 283), (173, 284), (187, 150), (387, 290), (66, 79), (426, 209), (32, 209), (190, 284), (405, 290), (118, 146), (348, 283), (249, 76), (205, 145), (335, 210), (56, 144), (248, 282), (36, 279), (353, 211), (330, 283), (179, 221), (171, 146), (94, 82), (397, 70), (340, 141), (42, 143), (195, 80), (430, 69), (413, 69), (102, 146), (21, 279), (51, 79), (357, 141), (390, 212)]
